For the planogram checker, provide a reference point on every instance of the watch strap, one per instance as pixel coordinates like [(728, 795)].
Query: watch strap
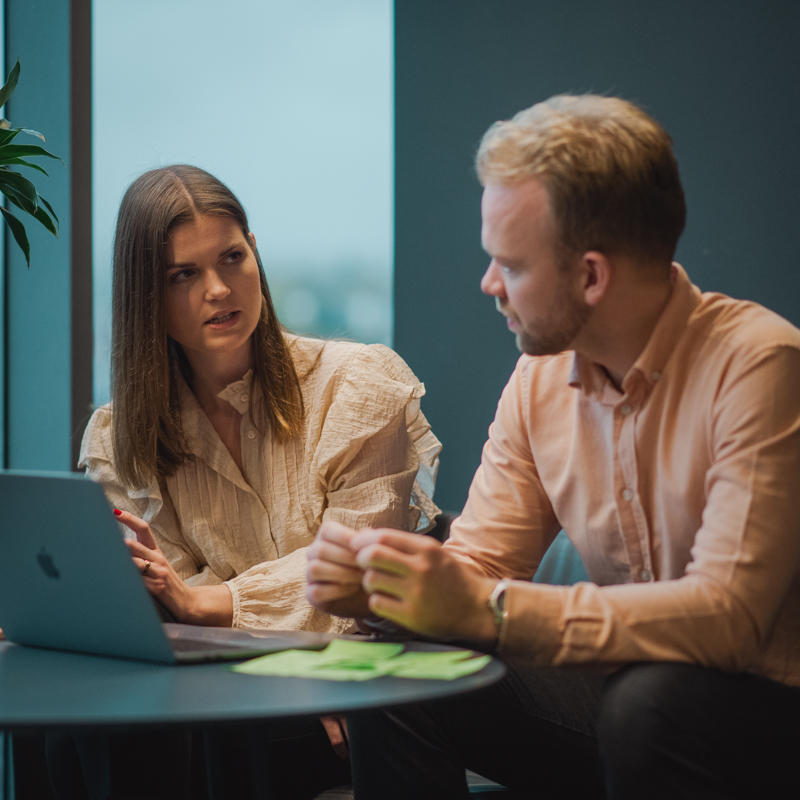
[(497, 604)]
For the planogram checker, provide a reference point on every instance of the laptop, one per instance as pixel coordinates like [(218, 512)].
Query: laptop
[(67, 582)]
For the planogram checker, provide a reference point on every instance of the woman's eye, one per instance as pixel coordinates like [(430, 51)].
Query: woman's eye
[(181, 275), (234, 257)]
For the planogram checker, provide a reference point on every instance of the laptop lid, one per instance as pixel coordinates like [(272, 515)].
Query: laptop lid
[(67, 580)]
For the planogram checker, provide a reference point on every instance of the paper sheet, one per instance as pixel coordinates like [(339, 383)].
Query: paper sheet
[(346, 660)]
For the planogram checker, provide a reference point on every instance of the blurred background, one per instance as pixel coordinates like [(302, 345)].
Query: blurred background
[(291, 105)]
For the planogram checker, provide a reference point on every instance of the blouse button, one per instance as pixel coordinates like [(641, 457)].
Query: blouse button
[(251, 434), (655, 376), (626, 410), (243, 398), (627, 494), (645, 575)]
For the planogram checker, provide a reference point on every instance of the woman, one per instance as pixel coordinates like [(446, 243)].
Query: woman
[(228, 440)]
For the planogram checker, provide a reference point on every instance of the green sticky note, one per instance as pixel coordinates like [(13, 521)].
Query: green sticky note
[(437, 666), (367, 652), (349, 672), (342, 659), (435, 657), (288, 663), (346, 660)]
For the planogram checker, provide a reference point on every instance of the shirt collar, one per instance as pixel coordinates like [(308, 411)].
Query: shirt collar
[(648, 368), (238, 393)]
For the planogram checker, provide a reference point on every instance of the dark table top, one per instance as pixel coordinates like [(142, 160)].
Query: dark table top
[(48, 689)]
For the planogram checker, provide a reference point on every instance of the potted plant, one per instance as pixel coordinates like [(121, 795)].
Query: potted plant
[(16, 188)]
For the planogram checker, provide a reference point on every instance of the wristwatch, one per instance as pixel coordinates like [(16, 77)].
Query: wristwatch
[(497, 604)]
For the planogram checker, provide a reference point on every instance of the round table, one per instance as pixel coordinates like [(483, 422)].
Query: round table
[(48, 689)]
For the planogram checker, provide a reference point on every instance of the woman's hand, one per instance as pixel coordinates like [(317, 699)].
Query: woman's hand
[(196, 605)]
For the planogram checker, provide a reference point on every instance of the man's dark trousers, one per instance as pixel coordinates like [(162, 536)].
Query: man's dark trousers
[(650, 730)]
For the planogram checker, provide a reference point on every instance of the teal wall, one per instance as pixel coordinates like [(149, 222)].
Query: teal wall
[(37, 301), (721, 75)]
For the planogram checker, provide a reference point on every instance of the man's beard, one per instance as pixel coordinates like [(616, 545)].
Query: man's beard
[(569, 315)]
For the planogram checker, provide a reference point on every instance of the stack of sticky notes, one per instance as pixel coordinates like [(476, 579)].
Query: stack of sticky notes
[(347, 660)]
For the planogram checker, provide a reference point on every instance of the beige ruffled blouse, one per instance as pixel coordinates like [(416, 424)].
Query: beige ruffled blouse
[(366, 457)]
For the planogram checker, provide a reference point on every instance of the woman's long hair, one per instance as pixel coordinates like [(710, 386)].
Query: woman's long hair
[(145, 363)]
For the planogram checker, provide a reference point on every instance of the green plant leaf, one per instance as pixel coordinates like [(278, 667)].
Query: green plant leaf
[(7, 134), (10, 84), (50, 209), (39, 213), (22, 163), (44, 218), (19, 200), (24, 150), (22, 185), (18, 231)]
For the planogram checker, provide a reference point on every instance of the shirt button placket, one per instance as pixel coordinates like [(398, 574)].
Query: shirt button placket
[(626, 454)]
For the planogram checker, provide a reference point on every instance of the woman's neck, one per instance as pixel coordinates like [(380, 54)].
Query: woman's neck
[(212, 372)]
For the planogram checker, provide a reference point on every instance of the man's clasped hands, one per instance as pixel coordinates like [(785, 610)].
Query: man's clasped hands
[(408, 579)]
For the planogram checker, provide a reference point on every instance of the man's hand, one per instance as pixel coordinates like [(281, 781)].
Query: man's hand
[(197, 605), (415, 582), (333, 577)]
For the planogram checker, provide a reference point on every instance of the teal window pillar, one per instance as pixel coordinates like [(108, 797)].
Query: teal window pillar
[(47, 309)]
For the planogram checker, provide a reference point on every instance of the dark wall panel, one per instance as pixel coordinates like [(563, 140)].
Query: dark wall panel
[(37, 299), (48, 308), (722, 77)]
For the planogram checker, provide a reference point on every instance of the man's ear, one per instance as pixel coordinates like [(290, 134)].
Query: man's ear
[(596, 276)]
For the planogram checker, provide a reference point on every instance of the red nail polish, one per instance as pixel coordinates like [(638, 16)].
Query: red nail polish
[(117, 512)]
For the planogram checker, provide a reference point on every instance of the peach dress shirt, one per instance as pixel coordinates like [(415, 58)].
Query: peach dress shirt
[(681, 493), (366, 456)]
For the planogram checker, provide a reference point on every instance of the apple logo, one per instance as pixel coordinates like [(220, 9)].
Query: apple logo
[(46, 563)]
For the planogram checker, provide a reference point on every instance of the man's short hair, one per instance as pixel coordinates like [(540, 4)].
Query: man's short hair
[(608, 168)]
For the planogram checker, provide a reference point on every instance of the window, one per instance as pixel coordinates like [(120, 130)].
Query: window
[(291, 105)]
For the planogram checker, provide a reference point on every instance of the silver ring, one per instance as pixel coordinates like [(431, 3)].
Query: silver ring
[(146, 567)]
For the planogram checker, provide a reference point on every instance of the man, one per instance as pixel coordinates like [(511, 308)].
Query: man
[(661, 428)]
